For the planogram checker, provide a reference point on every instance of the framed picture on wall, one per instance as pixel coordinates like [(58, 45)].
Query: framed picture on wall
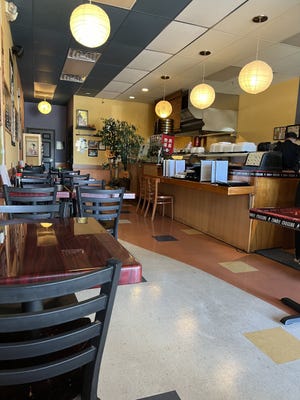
[(293, 128), (92, 153), (101, 146), (279, 132), (32, 146), (82, 118)]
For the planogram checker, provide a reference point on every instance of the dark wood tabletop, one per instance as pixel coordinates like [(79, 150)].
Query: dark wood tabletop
[(58, 248)]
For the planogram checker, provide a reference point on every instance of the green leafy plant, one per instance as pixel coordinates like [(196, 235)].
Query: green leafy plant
[(121, 138)]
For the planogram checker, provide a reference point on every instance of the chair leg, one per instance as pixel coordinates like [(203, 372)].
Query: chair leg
[(138, 204), (154, 209), (147, 208), (172, 209)]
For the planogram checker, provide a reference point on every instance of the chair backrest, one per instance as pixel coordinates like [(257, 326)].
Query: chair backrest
[(34, 169), (36, 348), (100, 184), (103, 204), (29, 196), (30, 181), (36, 212), (71, 180), (152, 188)]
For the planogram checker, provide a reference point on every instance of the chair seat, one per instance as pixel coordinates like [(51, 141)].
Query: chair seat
[(155, 198)]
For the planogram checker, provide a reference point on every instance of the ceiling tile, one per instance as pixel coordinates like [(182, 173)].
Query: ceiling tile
[(148, 60), (184, 34), (130, 75)]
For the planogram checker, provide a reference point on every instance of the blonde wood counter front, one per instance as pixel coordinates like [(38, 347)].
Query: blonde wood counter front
[(219, 211), (223, 212)]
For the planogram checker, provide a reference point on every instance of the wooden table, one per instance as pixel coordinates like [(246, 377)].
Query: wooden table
[(59, 248), (288, 218)]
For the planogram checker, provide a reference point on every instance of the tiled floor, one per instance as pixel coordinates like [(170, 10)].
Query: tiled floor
[(204, 325)]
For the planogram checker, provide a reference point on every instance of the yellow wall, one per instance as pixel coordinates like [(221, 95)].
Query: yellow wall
[(11, 153), (138, 114), (260, 113)]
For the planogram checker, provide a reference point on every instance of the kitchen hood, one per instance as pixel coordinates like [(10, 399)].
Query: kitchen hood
[(210, 120)]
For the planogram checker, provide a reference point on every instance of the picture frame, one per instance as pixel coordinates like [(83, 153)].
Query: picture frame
[(294, 128), (93, 144), (279, 133), (82, 118), (101, 146), (32, 148), (93, 152)]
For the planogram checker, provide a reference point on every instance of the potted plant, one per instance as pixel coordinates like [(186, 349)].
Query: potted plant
[(123, 142)]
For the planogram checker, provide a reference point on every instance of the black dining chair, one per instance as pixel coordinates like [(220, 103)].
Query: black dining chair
[(72, 180), (56, 353), (32, 180), (32, 212), (104, 205)]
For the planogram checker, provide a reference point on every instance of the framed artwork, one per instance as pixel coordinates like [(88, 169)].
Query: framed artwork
[(279, 132), (93, 144), (82, 118), (32, 148), (101, 146), (92, 152), (293, 128)]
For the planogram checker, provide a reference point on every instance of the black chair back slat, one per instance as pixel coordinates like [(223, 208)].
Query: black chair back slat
[(36, 348), (33, 212), (104, 205)]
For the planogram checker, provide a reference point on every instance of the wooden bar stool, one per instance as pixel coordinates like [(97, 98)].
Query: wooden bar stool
[(142, 193), (155, 198)]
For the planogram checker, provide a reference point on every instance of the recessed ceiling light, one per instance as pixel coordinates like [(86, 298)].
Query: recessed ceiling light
[(131, 97), (145, 89), (259, 19), (204, 52)]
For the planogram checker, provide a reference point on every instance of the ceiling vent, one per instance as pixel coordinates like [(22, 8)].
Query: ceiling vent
[(78, 65)]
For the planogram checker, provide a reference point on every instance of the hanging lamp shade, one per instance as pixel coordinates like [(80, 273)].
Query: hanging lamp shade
[(44, 107), (202, 96), (90, 25), (163, 109), (255, 77)]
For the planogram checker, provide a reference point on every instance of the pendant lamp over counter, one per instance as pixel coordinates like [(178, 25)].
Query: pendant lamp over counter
[(90, 25), (202, 96), (44, 107), (255, 77), (163, 108)]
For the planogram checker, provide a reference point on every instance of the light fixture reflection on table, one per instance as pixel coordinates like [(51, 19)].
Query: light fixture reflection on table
[(44, 107), (90, 25)]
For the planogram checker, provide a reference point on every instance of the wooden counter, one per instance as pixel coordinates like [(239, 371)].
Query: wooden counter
[(219, 211), (223, 212)]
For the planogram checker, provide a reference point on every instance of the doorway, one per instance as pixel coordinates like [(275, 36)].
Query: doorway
[(48, 146)]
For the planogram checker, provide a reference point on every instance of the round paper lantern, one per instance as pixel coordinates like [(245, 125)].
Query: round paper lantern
[(163, 109), (44, 107), (202, 96), (90, 25), (255, 77)]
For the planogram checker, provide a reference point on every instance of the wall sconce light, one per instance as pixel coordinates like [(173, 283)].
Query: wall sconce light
[(90, 25), (59, 145), (44, 107), (202, 96), (163, 108)]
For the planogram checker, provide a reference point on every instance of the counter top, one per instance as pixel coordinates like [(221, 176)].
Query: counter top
[(209, 187)]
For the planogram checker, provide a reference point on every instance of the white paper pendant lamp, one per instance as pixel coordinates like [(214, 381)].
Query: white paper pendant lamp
[(255, 77), (202, 96), (90, 25), (163, 109)]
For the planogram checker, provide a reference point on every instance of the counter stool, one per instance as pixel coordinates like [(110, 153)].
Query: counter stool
[(142, 193), (153, 196)]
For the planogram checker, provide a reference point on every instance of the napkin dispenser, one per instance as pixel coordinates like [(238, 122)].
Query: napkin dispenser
[(264, 160)]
